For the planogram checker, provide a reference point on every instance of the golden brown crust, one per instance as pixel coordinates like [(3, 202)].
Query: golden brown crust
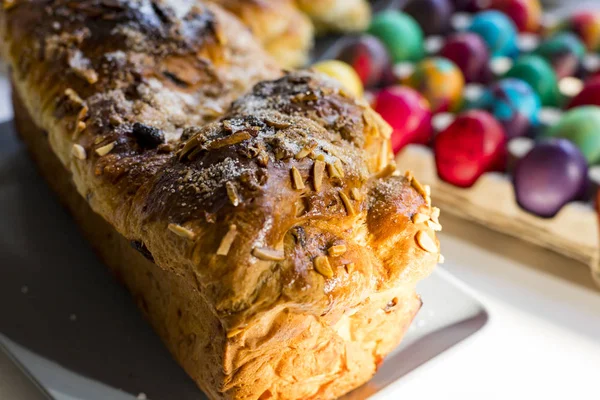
[(245, 209)]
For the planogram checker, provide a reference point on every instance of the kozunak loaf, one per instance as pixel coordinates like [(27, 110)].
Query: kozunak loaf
[(282, 247)]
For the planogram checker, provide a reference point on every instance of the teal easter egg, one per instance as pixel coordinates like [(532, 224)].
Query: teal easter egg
[(536, 71), (564, 51), (514, 104), (498, 31), (401, 35), (581, 126)]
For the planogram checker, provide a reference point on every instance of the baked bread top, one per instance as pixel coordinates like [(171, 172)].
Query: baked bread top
[(289, 200)]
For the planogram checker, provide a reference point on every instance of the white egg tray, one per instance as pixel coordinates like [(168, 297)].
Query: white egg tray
[(573, 232)]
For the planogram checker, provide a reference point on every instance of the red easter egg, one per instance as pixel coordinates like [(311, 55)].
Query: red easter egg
[(590, 95), (407, 112), (526, 14), (368, 56), (470, 53), (586, 24), (473, 144)]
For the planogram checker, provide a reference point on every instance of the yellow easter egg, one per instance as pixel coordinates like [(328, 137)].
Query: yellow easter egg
[(343, 73)]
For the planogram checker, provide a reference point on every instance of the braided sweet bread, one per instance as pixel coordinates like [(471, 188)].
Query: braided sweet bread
[(275, 248)]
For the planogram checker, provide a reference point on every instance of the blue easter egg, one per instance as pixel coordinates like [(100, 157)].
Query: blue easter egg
[(514, 103), (498, 31)]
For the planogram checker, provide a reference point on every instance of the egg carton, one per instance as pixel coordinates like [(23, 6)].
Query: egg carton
[(573, 232)]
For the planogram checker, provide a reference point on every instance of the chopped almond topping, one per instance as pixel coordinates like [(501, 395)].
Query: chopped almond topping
[(104, 150), (434, 225), (267, 254), (78, 152), (338, 250), (435, 214), (426, 242), (306, 150), (340, 168), (355, 194), (232, 193), (384, 154), (230, 140), (79, 127), (419, 188), (234, 332), (300, 207), (347, 204), (277, 123), (181, 231), (189, 147), (423, 209), (263, 159), (72, 95), (115, 120), (318, 171), (323, 267), (297, 181), (419, 218), (349, 267), (227, 241), (333, 171), (387, 171)]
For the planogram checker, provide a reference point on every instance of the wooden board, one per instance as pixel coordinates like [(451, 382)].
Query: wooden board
[(574, 232)]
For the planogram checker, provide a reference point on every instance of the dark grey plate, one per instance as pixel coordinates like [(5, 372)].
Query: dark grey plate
[(79, 334)]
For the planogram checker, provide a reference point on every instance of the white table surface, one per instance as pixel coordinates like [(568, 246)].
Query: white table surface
[(542, 340), (543, 337)]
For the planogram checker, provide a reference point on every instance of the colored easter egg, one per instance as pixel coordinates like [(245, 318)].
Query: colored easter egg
[(343, 73), (473, 144), (408, 113), (551, 175), (401, 35), (586, 24), (514, 104), (368, 56), (498, 31), (536, 71), (581, 126), (440, 81), (432, 15), (470, 53), (565, 52), (526, 14), (590, 95), (471, 6)]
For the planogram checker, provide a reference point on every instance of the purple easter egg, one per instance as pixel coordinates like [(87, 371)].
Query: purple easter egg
[(551, 175), (432, 15), (470, 53)]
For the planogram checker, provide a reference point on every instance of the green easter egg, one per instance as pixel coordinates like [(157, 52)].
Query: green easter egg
[(560, 44), (536, 71), (581, 126), (401, 35)]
